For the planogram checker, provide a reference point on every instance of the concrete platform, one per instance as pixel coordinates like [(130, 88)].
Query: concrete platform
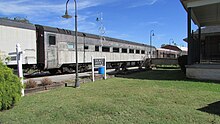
[(203, 71)]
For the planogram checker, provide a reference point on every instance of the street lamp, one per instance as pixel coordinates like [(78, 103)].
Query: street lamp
[(67, 16), (151, 35), (170, 41), (170, 46)]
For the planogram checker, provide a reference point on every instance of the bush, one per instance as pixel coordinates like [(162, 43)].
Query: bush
[(182, 61), (31, 84), (46, 81), (10, 88)]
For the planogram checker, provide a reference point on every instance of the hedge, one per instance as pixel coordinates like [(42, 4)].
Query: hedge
[(182, 61), (10, 88)]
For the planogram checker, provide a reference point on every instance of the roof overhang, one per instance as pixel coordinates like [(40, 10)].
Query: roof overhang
[(204, 12)]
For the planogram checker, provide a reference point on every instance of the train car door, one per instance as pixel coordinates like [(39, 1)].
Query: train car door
[(52, 57)]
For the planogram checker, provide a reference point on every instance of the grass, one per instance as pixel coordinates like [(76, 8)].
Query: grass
[(159, 96)]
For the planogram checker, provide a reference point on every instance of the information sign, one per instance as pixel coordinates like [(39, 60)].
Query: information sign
[(98, 62)]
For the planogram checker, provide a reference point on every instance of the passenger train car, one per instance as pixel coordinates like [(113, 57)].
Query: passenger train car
[(53, 49)]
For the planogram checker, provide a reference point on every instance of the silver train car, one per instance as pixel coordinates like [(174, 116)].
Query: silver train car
[(53, 49)]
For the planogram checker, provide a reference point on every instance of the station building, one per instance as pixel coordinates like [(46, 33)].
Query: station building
[(204, 44)]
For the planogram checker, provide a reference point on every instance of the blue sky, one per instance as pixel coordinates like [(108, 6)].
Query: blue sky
[(124, 19)]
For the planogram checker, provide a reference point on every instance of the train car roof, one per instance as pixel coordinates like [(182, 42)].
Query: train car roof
[(69, 32), (16, 24)]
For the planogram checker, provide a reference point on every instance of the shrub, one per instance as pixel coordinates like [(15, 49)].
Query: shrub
[(182, 61), (10, 88), (31, 84), (46, 81)]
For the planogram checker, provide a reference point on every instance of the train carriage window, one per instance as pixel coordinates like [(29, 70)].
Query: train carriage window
[(52, 40), (70, 45), (137, 51), (97, 48), (142, 51), (124, 50), (86, 47), (219, 47), (105, 49), (116, 50), (153, 52), (131, 50)]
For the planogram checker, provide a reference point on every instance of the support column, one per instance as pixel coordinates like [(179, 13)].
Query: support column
[(194, 47), (199, 45), (190, 50)]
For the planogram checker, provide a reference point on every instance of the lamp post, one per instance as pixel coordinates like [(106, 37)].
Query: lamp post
[(170, 46), (67, 16), (151, 35), (170, 41)]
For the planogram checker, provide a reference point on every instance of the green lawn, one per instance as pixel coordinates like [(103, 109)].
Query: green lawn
[(159, 96)]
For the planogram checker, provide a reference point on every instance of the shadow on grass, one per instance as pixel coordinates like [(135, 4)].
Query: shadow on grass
[(213, 108), (168, 67), (157, 75), (163, 74)]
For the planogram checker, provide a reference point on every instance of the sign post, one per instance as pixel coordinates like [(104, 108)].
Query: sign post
[(105, 69), (93, 73), (98, 63), (19, 62)]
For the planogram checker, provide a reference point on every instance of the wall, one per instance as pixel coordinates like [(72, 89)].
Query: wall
[(203, 73), (164, 61)]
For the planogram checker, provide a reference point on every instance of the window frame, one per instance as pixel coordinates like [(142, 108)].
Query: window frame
[(122, 50), (49, 41), (131, 51), (70, 43), (97, 50), (86, 47), (103, 47), (116, 50)]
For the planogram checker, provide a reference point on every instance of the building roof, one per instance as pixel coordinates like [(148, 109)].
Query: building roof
[(13, 23), (209, 30), (184, 48), (88, 35), (16, 24), (171, 47), (204, 12), (167, 50)]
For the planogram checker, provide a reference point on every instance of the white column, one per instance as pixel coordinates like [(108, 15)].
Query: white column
[(19, 62), (93, 73), (105, 69)]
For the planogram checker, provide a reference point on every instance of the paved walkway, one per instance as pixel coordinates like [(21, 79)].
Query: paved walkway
[(65, 77)]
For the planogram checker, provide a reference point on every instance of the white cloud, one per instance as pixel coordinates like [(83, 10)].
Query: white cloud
[(159, 37), (83, 24), (151, 23), (48, 12), (29, 7), (139, 3), (118, 35)]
